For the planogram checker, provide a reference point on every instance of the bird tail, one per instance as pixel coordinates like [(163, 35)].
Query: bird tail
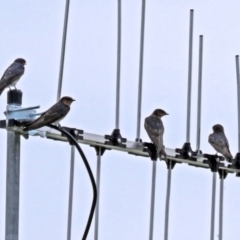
[(227, 154)]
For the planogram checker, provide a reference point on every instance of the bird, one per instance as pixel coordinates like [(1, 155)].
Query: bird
[(12, 74), (155, 129), (219, 142), (53, 115)]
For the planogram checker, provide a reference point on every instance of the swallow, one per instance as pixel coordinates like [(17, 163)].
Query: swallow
[(219, 142), (53, 115), (155, 129), (12, 74)]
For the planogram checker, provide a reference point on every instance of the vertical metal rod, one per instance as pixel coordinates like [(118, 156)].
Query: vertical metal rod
[(118, 66), (63, 49), (70, 202), (60, 80), (12, 186), (213, 206), (199, 92), (14, 101), (98, 174), (238, 93), (140, 71), (167, 201), (154, 169), (189, 76), (221, 208)]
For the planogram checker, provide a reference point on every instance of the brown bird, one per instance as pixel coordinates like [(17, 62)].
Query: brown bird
[(12, 74), (219, 142), (155, 129), (53, 115)]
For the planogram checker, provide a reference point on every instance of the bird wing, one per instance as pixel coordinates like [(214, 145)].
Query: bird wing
[(220, 144), (53, 114), (13, 72), (155, 130)]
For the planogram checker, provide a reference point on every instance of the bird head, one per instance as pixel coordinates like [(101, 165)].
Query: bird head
[(159, 113), (67, 100), (21, 60), (218, 128)]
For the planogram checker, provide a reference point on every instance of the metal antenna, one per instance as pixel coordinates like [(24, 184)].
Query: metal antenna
[(154, 169), (70, 193), (98, 174), (14, 99), (140, 72), (167, 200), (199, 92), (238, 93), (221, 206), (118, 65), (213, 206), (64, 37), (189, 76), (63, 49)]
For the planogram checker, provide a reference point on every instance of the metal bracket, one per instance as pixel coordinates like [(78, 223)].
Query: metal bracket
[(186, 152), (151, 150), (213, 161), (74, 132), (222, 173), (100, 150), (115, 139), (171, 164)]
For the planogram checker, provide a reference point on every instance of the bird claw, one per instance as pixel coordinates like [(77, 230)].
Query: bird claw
[(162, 152)]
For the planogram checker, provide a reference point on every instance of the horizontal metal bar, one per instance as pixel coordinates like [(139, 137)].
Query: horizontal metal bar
[(132, 147), (23, 109)]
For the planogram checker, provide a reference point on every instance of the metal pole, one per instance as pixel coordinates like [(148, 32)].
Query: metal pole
[(140, 71), (118, 65), (98, 190), (14, 99), (199, 92), (70, 193), (154, 169), (238, 93), (213, 205), (221, 208), (64, 37), (63, 49), (167, 201), (189, 76), (12, 186)]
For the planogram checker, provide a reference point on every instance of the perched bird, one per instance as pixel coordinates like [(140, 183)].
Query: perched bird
[(155, 129), (12, 74), (219, 142), (53, 115)]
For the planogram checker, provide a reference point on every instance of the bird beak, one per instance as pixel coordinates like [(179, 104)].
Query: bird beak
[(74, 100), (166, 114)]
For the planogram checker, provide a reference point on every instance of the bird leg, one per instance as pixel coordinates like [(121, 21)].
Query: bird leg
[(59, 126), (162, 152)]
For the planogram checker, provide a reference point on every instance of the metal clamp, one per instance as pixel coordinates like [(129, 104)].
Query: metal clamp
[(115, 139)]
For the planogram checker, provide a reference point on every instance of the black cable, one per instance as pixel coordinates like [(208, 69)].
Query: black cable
[(68, 135)]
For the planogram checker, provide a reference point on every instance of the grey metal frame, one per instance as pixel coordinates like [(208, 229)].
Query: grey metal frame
[(151, 227), (189, 76), (98, 177), (213, 205), (199, 92)]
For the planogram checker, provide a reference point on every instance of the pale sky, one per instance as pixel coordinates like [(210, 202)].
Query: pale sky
[(33, 30)]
